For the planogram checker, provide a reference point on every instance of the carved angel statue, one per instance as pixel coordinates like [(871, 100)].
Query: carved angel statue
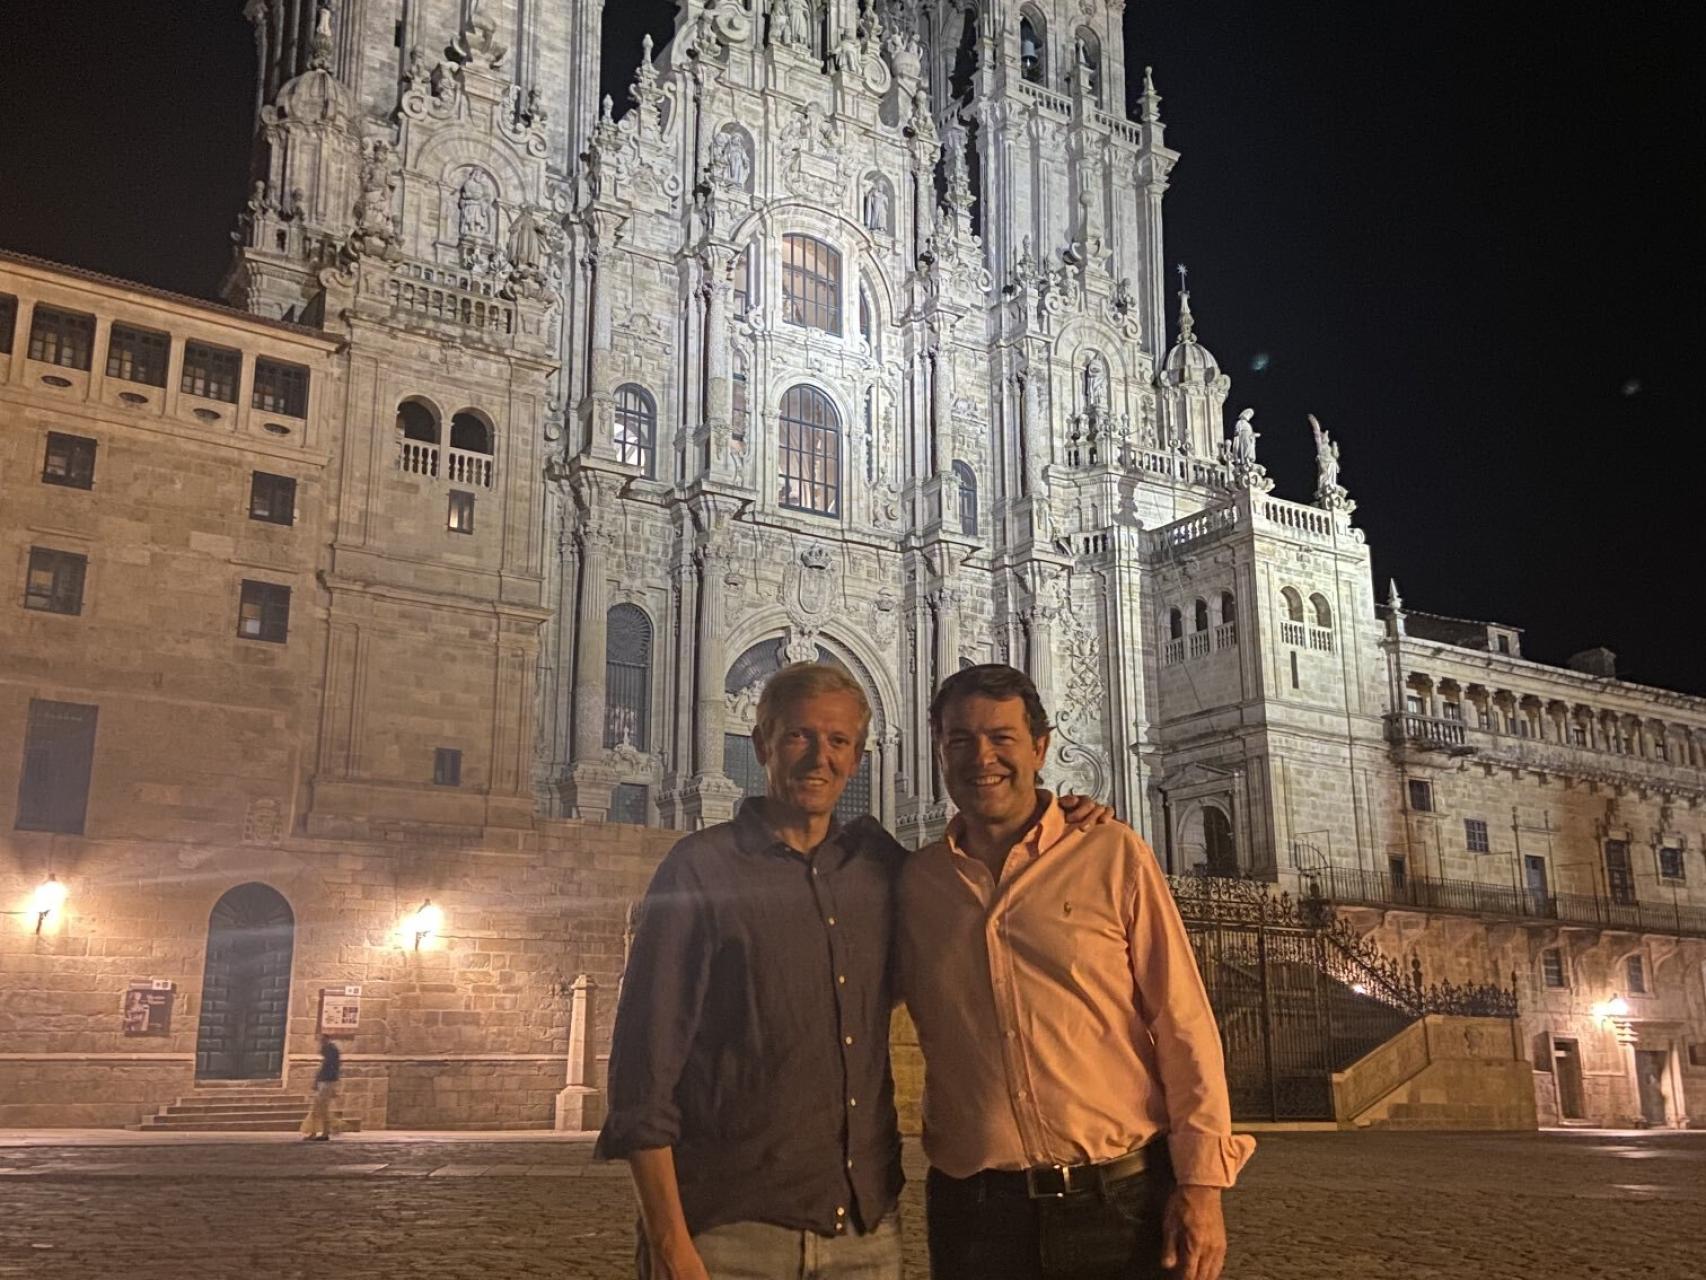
[(1095, 385), (1124, 298), (1326, 458), (877, 205), (474, 206), (791, 23), (729, 161), (1244, 437)]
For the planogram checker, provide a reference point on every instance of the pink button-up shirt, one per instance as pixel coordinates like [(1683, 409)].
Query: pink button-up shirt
[(1059, 1008)]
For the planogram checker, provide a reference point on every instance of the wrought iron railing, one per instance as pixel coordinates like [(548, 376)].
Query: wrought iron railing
[(1473, 897)]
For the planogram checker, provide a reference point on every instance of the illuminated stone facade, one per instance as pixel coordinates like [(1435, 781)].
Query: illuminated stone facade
[(849, 338)]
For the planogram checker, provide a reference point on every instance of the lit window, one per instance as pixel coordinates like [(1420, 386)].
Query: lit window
[(810, 452), (272, 498), (1475, 835), (461, 518), (137, 355), (280, 388), (811, 284), (210, 372), (63, 338), (55, 581), (69, 461), (263, 611), (636, 428)]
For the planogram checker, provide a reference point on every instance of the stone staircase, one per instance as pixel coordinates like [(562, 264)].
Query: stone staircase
[(241, 1106)]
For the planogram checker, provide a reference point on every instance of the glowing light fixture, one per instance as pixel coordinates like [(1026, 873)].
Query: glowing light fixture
[(426, 921), (49, 897), (1616, 1007)]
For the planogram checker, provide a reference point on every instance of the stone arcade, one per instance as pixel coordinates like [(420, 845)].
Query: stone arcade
[(442, 568)]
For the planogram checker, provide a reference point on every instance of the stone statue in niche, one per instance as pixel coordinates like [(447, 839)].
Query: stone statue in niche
[(1244, 437), (1095, 386), (877, 205), (791, 24), (474, 205), (730, 162)]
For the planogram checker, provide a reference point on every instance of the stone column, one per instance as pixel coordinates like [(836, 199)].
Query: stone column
[(945, 602), (717, 261), (711, 796), (598, 411), (580, 1103), (587, 790)]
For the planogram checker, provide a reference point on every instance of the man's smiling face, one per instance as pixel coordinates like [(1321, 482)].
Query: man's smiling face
[(990, 759), (811, 751)]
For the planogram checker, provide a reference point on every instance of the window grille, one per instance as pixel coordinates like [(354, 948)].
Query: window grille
[(627, 677), (263, 611), (636, 428), (69, 461), (280, 388), (137, 355), (811, 284), (63, 338), (55, 581), (810, 452), (211, 372)]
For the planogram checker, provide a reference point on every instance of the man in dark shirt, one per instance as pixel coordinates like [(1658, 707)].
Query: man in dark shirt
[(749, 1072), (317, 1124)]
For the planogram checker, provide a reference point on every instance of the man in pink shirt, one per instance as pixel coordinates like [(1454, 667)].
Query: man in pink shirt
[(1076, 1117)]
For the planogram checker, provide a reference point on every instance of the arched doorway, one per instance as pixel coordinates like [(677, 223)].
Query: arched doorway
[(1219, 848), (245, 990)]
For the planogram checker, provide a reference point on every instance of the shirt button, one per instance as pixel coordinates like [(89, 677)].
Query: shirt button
[(852, 1102), (1011, 1034), (841, 978), (1023, 1095), (831, 920), (847, 1039), (841, 1211), (849, 1163)]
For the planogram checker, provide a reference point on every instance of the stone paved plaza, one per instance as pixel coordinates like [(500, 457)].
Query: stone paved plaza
[(1315, 1206)]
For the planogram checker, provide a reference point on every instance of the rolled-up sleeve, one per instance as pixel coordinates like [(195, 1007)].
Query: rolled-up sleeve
[(663, 993), (1203, 1148)]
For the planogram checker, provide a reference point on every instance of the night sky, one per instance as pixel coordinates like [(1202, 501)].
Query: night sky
[(1459, 234)]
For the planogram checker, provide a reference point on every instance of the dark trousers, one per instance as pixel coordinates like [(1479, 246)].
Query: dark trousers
[(979, 1231)]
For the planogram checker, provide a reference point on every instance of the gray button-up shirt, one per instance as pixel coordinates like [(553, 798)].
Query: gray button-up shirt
[(752, 1032)]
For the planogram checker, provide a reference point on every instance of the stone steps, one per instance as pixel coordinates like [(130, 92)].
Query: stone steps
[(239, 1107)]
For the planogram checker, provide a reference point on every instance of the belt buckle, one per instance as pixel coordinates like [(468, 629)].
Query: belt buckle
[(1060, 1170)]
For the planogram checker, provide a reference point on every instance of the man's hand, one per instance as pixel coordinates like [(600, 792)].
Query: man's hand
[(1193, 1234), (677, 1259), (1084, 812)]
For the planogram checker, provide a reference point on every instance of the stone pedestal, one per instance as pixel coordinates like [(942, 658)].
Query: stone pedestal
[(580, 1106)]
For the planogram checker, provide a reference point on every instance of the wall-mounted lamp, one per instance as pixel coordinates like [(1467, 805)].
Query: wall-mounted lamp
[(1616, 1012), (49, 897), (426, 921)]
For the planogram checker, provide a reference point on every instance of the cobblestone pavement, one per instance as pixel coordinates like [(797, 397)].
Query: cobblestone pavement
[(1313, 1206)]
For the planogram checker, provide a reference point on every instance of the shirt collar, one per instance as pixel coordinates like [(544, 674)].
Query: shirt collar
[(1041, 836), (754, 834)]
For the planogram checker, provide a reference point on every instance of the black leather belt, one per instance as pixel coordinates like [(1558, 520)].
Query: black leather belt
[(1056, 1181)]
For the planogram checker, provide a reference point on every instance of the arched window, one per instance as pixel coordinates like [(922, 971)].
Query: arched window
[(1220, 847), (811, 284), (1293, 604), (1201, 618), (1323, 611), (1175, 625), (810, 452), (1033, 47), (636, 428), (470, 433), (627, 676), (1228, 607), (968, 497), (417, 422), (1087, 57)]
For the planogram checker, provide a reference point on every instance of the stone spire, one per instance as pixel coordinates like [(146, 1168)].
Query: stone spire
[(1149, 102), (1187, 322)]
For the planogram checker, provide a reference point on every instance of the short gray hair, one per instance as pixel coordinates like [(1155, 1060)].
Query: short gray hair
[(805, 680)]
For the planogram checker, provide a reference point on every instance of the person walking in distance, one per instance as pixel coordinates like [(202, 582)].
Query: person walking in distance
[(1076, 1117), (317, 1124)]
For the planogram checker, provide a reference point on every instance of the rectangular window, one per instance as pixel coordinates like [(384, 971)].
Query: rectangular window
[(1552, 968), (1421, 795), (1484, 717), (461, 518), (629, 803), (69, 461), (1413, 704), (211, 372), (1294, 683), (1671, 865), (263, 612), (811, 284), (1619, 875), (8, 322), (1475, 835), (1578, 736), (1635, 972), (1453, 711), (59, 749), (272, 498), (280, 388), (137, 355), (55, 581), (447, 767), (64, 338)]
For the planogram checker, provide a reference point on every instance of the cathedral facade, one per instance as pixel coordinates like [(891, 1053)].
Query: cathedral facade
[(849, 336)]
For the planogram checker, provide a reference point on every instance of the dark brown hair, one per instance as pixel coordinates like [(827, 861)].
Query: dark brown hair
[(992, 680)]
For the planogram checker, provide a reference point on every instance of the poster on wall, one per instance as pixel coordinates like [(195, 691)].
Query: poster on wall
[(148, 1008), (340, 1010)]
